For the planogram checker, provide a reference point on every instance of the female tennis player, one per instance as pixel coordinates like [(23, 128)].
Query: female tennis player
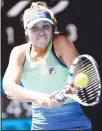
[(42, 66)]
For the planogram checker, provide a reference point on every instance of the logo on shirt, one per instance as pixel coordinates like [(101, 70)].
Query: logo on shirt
[(52, 70)]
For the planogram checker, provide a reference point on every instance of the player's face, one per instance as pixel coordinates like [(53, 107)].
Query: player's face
[(40, 34)]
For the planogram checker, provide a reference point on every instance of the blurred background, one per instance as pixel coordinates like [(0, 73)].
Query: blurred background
[(79, 20)]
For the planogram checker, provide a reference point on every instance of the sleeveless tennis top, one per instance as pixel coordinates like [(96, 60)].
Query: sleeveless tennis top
[(46, 76)]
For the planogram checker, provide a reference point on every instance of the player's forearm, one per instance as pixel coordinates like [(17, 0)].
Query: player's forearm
[(15, 91)]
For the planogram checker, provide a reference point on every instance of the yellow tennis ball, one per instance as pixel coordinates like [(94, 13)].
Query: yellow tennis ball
[(81, 80)]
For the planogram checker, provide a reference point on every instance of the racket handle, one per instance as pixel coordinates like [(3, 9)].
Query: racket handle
[(59, 96)]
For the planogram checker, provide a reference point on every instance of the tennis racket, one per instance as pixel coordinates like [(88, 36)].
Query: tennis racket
[(89, 95)]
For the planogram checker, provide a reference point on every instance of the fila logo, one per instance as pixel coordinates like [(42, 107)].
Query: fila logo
[(52, 70)]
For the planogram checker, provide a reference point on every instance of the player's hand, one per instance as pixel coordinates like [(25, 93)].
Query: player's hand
[(52, 96), (48, 101)]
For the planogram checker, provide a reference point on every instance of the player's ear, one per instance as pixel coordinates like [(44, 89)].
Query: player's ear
[(26, 34)]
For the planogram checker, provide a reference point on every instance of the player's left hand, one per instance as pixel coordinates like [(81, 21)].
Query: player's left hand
[(52, 97)]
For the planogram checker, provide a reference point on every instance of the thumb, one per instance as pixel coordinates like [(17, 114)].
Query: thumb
[(53, 94)]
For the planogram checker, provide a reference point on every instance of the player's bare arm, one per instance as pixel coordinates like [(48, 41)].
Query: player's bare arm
[(65, 49), (12, 79)]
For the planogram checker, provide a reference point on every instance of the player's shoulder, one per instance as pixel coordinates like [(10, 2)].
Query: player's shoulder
[(61, 39), (20, 49), (19, 52), (59, 35)]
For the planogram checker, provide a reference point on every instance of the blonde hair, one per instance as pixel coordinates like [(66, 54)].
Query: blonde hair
[(39, 6)]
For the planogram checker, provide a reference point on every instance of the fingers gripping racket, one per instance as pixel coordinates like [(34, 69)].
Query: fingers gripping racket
[(83, 82)]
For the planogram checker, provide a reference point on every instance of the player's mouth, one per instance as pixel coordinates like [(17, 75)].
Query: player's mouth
[(41, 38)]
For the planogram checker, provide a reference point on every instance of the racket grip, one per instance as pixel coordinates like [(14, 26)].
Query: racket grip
[(59, 96)]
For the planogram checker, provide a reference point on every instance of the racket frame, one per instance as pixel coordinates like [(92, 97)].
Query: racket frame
[(70, 80)]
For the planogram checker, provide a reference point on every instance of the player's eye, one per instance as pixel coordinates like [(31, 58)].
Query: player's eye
[(46, 26), (35, 28)]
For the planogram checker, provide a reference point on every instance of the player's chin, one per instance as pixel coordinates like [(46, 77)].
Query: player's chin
[(43, 45)]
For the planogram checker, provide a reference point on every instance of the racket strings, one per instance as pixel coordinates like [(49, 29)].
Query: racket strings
[(90, 92)]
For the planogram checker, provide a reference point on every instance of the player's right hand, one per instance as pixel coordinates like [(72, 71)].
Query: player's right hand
[(46, 101)]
